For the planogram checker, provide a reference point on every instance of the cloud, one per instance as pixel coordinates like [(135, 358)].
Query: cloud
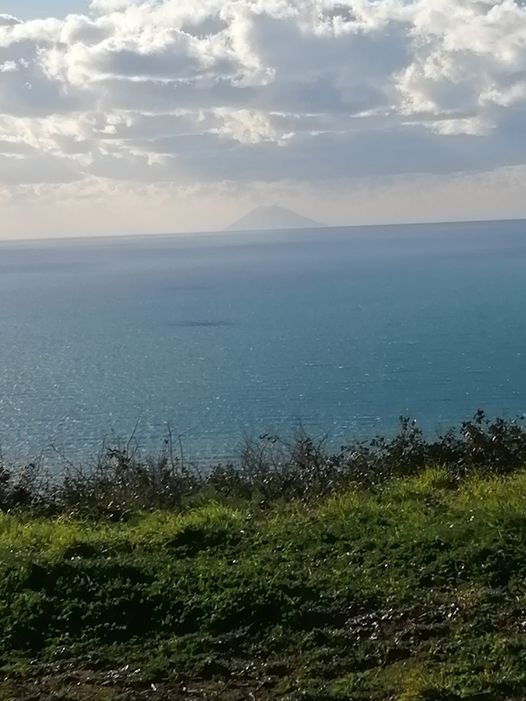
[(8, 21), (187, 93)]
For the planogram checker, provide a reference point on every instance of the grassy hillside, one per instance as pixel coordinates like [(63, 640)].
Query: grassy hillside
[(412, 590)]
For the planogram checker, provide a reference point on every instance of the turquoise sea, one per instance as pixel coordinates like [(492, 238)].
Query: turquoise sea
[(230, 335)]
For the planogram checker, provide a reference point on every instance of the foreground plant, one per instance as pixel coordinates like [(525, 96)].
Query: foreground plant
[(412, 589), (122, 482)]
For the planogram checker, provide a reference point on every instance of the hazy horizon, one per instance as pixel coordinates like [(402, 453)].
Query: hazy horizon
[(240, 232), (122, 117)]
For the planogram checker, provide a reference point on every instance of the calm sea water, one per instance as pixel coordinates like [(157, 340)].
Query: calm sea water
[(229, 335)]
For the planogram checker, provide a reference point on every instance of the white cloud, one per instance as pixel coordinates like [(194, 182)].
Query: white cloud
[(248, 126), (186, 92)]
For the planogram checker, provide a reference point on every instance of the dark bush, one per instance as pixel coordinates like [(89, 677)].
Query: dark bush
[(122, 482)]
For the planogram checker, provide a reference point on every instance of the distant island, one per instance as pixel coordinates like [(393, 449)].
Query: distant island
[(273, 217)]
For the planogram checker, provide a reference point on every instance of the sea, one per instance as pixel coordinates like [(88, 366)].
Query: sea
[(218, 338)]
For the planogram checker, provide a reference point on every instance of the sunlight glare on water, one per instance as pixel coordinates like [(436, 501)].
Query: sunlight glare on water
[(228, 335)]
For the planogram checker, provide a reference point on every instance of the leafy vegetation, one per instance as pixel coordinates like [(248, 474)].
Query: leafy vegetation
[(259, 584), (122, 482)]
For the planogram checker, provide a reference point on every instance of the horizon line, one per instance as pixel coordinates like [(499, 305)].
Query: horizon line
[(208, 232)]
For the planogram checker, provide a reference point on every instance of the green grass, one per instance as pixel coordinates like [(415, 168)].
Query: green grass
[(415, 591)]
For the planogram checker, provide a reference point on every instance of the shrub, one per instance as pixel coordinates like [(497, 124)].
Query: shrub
[(122, 482)]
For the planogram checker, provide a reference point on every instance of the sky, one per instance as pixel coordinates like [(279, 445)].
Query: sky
[(137, 116), (29, 9)]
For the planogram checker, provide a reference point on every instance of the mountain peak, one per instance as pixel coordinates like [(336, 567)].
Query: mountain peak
[(272, 217)]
